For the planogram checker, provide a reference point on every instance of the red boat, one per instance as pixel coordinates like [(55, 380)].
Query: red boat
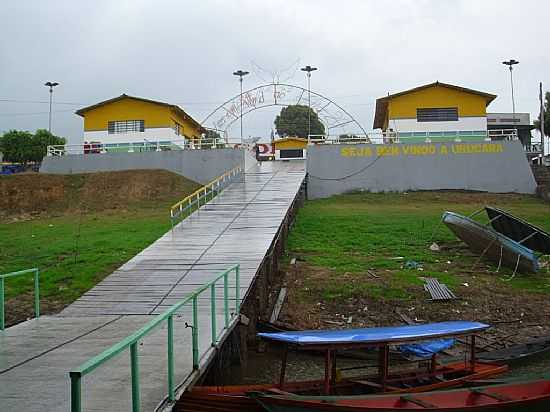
[(529, 396), (425, 378)]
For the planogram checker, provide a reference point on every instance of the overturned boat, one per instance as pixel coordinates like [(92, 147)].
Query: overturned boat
[(519, 230), (494, 245)]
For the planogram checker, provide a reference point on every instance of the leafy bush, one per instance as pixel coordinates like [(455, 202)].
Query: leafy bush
[(20, 146)]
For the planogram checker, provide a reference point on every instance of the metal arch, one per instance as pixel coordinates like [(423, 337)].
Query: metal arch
[(274, 85), (229, 124)]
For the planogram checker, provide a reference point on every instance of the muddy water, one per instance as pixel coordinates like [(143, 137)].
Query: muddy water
[(265, 367)]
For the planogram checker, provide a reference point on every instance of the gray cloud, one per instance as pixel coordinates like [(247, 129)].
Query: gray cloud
[(185, 51)]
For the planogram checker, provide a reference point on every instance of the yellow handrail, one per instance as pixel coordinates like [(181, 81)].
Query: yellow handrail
[(178, 208)]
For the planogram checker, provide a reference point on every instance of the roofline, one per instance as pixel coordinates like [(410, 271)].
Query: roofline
[(284, 139), (382, 102), (174, 107)]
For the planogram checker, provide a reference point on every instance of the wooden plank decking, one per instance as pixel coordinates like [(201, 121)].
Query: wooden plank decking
[(236, 227)]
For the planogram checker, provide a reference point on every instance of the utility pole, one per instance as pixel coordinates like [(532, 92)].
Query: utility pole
[(511, 63), (542, 136), (308, 69), (241, 74), (51, 86)]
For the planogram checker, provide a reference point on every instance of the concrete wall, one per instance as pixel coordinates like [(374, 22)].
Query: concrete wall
[(498, 167), (202, 166)]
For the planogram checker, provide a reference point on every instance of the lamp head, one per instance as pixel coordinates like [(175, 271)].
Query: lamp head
[(240, 73), (308, 69)]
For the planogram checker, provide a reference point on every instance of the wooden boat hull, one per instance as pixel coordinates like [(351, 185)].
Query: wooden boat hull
[(533, 396), (493, 245), (519, 230), (234, 398), (518, 353)]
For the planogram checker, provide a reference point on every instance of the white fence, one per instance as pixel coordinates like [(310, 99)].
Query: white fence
[(144, 146), (417, 137)]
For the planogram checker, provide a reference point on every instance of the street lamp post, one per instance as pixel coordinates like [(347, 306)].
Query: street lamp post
[(308, 69), (510, 63), (241, 74), (51, 85)]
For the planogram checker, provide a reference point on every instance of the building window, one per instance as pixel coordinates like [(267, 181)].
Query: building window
[(178, 129), (439, 114), (126, 126)]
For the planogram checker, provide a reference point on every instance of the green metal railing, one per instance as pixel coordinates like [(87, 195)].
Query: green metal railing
[(206, 193), (3, 288), (133, 340)]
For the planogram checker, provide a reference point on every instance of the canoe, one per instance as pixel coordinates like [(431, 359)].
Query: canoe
[(492, 244), (519, 352), (429, 375), (234, 398), (519, 230), (530, 395)]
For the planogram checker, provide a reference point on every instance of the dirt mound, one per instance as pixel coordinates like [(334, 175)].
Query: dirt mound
[(43, 194)]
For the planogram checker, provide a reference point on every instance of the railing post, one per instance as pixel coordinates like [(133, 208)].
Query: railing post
[(195, 334), (171, 394), (2, 318), (237, 290), (76, 392), (225, 300), (136, 403), (37, 293), (213, 313)]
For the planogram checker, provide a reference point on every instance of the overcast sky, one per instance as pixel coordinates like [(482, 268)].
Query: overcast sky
[(184, 52)]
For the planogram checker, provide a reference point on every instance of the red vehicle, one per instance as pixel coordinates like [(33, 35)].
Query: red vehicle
[(92, 147)]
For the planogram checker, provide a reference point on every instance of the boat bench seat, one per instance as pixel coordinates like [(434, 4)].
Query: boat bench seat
[(374, 384)]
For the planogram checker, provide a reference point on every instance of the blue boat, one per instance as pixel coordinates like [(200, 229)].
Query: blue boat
[(489, 243)]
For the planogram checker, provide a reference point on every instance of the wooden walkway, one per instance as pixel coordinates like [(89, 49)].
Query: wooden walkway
[(236, 227)]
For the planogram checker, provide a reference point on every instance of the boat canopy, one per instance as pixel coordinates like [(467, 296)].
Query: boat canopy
[(381, 335)]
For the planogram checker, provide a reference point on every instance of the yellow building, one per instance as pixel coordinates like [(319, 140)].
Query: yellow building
[(128, 119), (434, 110), (290, 148)]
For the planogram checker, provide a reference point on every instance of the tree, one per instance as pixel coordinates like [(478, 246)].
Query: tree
[(40, 142), (293, 121), (16, 146), (211, 137), (546, 115), (20, 146)]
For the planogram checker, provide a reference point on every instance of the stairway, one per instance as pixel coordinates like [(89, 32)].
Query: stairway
[(542, 177)]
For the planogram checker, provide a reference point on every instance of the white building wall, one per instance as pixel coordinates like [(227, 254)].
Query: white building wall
[(463, 123), (152, 135)]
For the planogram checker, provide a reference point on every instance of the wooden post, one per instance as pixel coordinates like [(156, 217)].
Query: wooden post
[(473, 353), (333, 373), (383, 359), (327, 373), (433, 363), (283, 368)]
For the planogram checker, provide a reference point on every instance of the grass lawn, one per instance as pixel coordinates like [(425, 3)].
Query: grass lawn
[(77, 229), (73, 252), (339, 240)]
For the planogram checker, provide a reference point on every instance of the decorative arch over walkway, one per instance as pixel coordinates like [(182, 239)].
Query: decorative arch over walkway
[(335, 118)]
